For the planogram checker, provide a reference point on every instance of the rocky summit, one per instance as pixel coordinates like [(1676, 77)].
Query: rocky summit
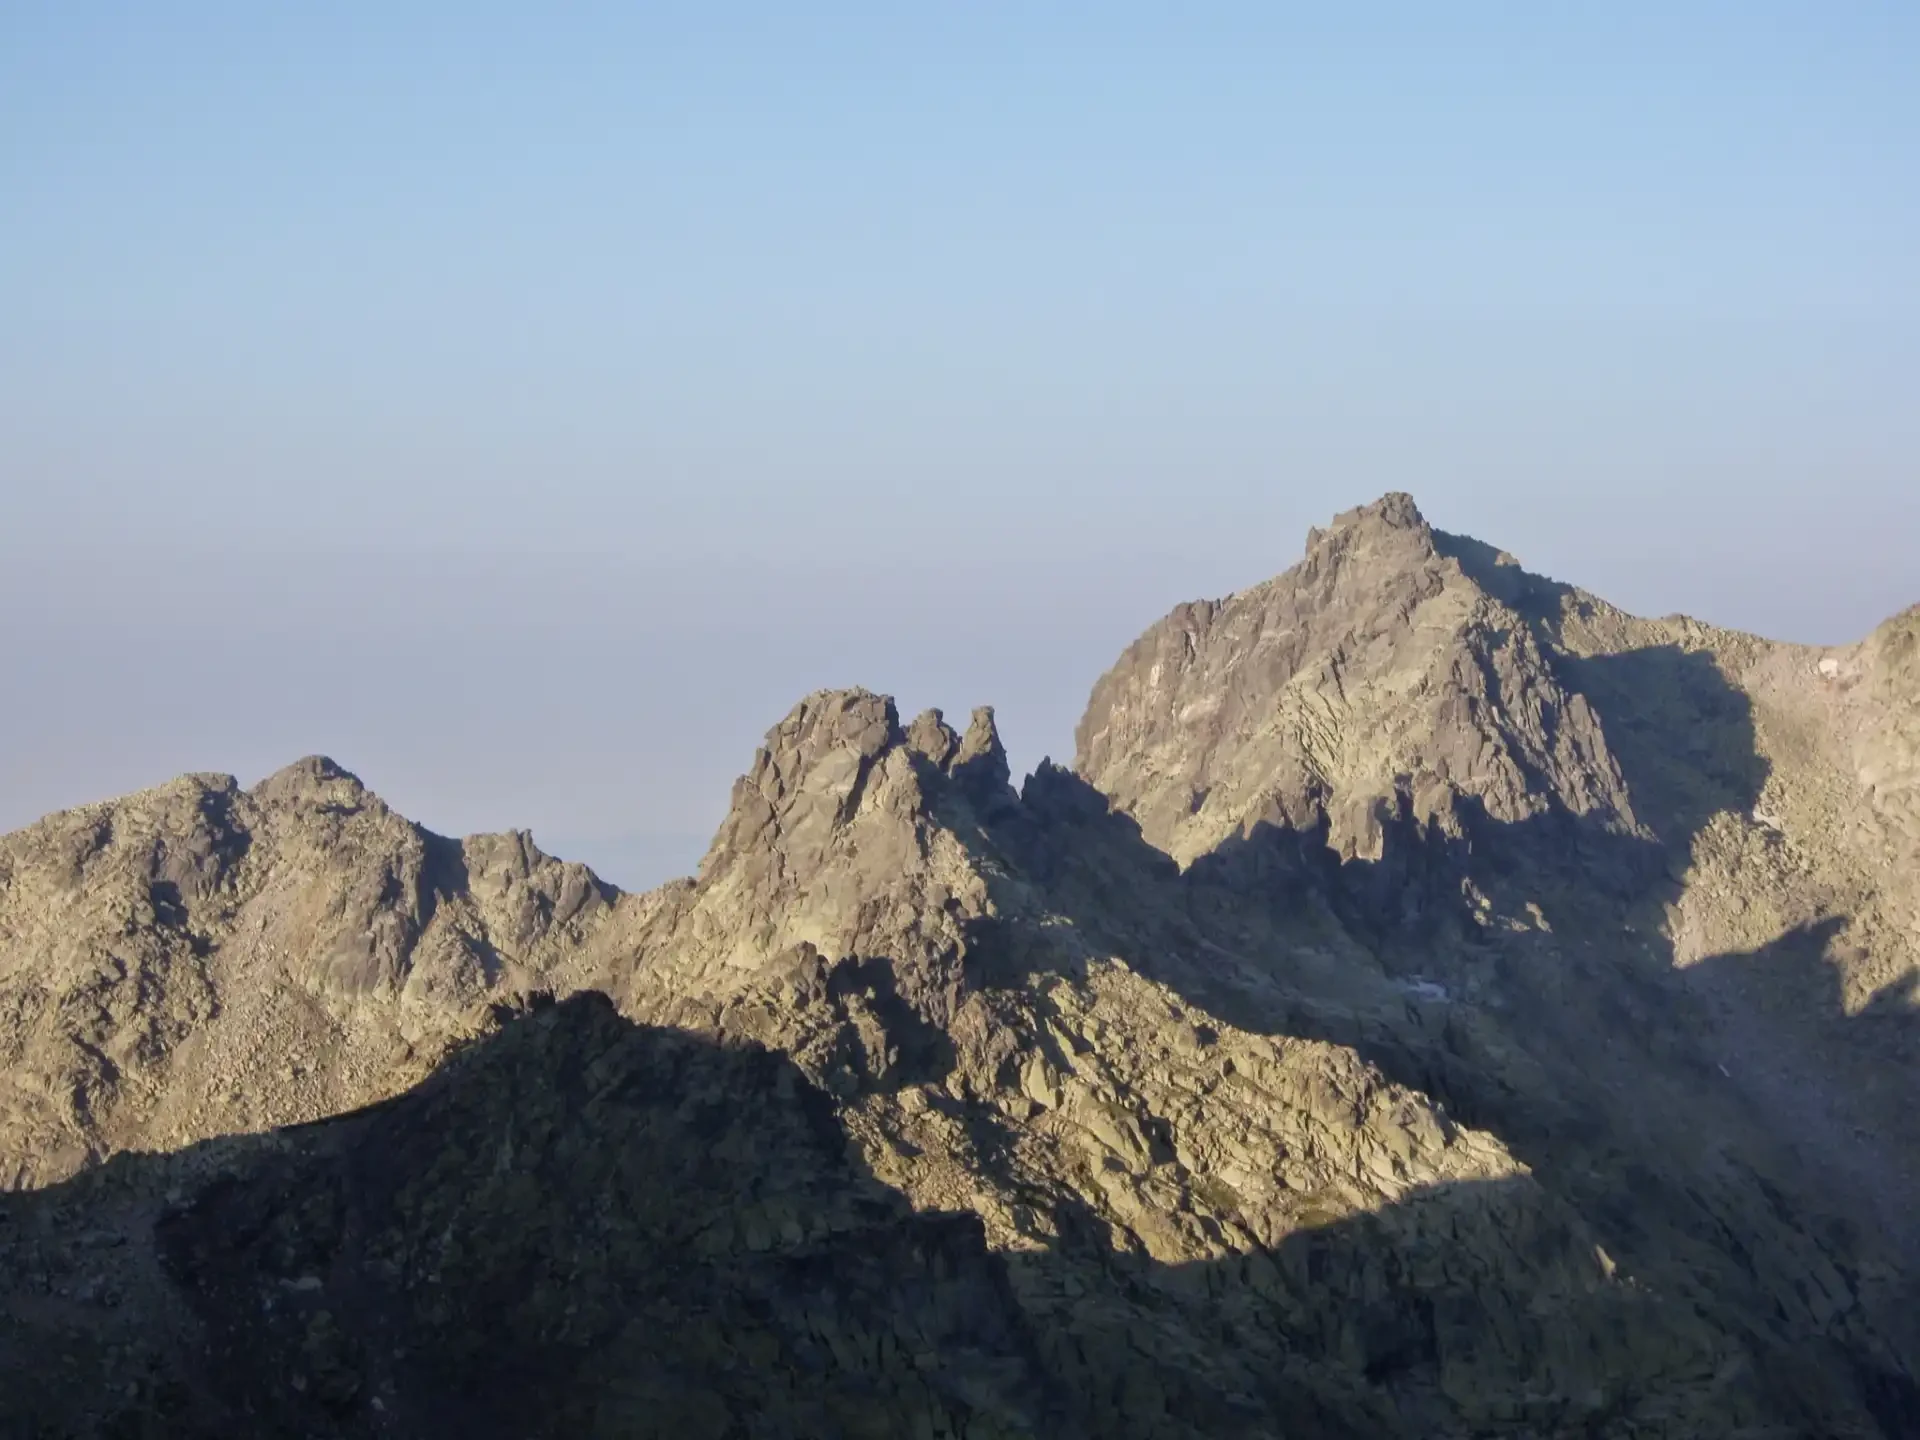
[(1434, 1003)]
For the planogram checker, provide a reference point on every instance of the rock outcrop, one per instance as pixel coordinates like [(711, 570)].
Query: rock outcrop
[(1436, 1004), (1375, 675), (199, 958)]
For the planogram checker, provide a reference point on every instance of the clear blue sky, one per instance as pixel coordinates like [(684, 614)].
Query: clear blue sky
[(525, 404)]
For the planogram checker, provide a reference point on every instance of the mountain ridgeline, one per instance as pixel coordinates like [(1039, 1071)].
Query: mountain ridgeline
[(1434, 1003)]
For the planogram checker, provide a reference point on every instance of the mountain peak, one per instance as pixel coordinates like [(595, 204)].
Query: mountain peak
[(835, 845), (808, 774), (1369, 549), (1393, 517), (1380, 670), (1395, 510), (312, 778)]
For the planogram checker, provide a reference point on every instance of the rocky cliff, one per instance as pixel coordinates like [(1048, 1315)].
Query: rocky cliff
[(1435, 1003)]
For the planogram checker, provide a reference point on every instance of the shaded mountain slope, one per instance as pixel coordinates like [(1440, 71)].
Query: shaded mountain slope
[(577, 1227), (584, 1227), (1647, 794)]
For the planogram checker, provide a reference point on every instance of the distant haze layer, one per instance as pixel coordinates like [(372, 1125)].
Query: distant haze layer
[(526, 410)]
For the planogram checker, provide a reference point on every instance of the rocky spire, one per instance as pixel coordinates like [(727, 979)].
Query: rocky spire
[(835, 846), (980, 766)]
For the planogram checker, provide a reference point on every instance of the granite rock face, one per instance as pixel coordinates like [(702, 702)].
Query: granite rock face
[(578, 1227), (1375, 671), (1700, 836), (200, 958), (1436, 1003)]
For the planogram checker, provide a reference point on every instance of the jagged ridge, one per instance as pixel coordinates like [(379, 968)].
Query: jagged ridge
[(1353, 1024)]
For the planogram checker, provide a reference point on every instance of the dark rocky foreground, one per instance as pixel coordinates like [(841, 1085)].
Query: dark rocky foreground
[(582, 1226)]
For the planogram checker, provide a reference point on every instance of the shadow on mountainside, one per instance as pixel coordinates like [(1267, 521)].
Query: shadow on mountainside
[(1683, 735), (579, 1226), (582, 1226), (1713, 1124)]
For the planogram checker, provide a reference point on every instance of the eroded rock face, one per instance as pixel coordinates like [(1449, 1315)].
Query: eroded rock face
[(201, 958), (1886, 730), (578, 1227), (585, 1227), (1374, 672), (830, 847), (1437, 1004), (1437, 734)]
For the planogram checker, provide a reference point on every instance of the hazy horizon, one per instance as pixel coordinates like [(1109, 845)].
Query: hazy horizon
[(526, 411)]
